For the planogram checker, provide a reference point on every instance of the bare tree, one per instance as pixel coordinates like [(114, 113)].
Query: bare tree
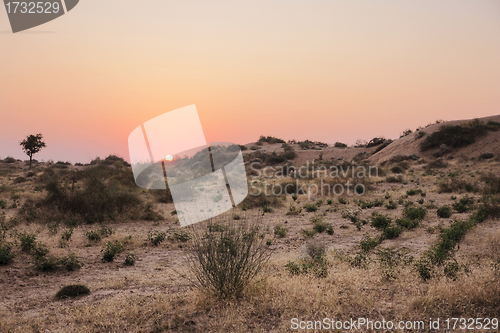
[(32, 145)]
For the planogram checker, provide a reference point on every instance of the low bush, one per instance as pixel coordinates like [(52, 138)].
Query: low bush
[(73, 290), (308, 233), (97, 234), (414, 213), (156, 238), (391, 232), (293, 210), (380, 221), (280, 231), (111, 250), (53, 263), (391, 260), (66, 234), (458, 135), (368, 243), (414, 191), (181, 236), (464, 204), (130, 259), (5, 253), (28, 242), (310, 207), (270, 140), (320, 225), (260, 200), (394, 178), (491, 206), (492, 184), (70, 263), (457, 185), (96, 202), (226, 262), (444, 212), (407, 223), (391, 205)]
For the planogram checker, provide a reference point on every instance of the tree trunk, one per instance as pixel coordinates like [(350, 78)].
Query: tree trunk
[(31, 158)]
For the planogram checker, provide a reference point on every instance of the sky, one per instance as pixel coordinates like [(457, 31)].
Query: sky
[(322, 70)]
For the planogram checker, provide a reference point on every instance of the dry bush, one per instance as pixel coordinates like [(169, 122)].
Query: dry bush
[(226, 260), (457, 185)]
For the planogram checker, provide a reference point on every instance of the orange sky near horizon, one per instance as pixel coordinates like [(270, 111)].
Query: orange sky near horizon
[(321, 70)]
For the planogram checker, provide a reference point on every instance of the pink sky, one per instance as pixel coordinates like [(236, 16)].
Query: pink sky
[(319, 70)]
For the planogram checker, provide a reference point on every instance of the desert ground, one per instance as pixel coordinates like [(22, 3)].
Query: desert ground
[(422, 241)]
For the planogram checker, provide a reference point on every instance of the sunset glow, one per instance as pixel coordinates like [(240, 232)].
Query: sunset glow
[(319, 70)]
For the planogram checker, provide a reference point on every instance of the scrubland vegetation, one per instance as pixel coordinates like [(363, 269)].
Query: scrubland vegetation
[(82, 249)]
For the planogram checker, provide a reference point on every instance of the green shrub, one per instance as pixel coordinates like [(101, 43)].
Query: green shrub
[(380, 221), (414, 191), (391, 205), (270, 140), (280, 231), (156, 238), (130, 259), (464, 205), (444, 212), (407, 223), (182, 236), (293, 268), (39, 250), (73, 290), (390, 260), (53, 263), (293, 210), (97, 234), (66, 234), (111, 251), (226, 262), (28, 242), (46, 264), (310, 208), (414, 213), (97, 201), (5, 253), (391, 232), (449, 237), (368, 243), (458, 135), (424, 268), (308, 233), (360, 260), (71, 262), (452, 269), (397, 169)]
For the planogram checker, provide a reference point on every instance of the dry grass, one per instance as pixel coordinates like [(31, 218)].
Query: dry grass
[(151, 297)]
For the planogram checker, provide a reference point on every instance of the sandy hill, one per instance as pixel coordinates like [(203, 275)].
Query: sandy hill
[(408, 145)]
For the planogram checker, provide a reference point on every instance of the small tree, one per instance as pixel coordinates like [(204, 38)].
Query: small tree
[(32, 145)]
